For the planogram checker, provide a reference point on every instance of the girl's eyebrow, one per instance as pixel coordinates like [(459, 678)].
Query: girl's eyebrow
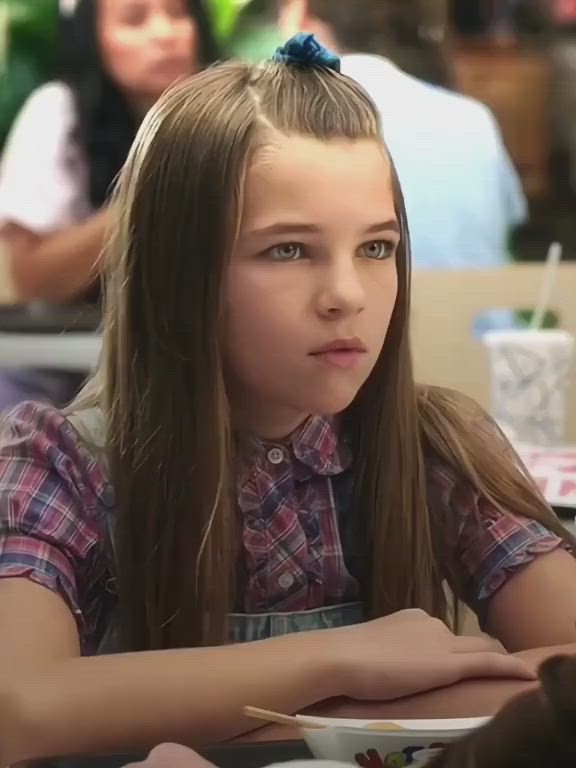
[(386, 226), (283, 228), (391, 225)]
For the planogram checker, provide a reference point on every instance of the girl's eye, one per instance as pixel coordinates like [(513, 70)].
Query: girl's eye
[(286, 252), (133, 14), (378, 250)]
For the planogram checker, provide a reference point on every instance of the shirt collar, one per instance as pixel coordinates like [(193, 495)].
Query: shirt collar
[(319, 447), (316, 448)]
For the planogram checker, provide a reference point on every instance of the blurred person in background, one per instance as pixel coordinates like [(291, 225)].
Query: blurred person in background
[(463, 219), (564, 61), (69, 142)]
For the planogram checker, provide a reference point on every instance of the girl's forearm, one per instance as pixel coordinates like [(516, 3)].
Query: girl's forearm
[(131, 702), (470, 698)]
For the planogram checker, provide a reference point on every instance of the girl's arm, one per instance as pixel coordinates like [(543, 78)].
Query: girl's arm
[(56, 267), (537, 606), (469, 698), (54, 703)]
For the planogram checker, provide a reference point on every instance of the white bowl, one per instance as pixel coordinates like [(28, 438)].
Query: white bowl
[(349, 741)]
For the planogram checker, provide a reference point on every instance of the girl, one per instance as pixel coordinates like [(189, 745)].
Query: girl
[(252, 458), (71, 140)]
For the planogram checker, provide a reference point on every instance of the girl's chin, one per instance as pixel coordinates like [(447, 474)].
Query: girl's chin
[(331, 406)]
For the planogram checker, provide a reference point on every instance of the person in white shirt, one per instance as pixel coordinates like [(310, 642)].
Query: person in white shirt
[(462, 193), (69, 142)]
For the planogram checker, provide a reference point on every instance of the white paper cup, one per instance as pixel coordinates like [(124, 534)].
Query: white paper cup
[(530, 373)]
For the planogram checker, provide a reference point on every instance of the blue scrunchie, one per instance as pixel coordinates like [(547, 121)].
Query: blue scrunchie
[(305, 50)]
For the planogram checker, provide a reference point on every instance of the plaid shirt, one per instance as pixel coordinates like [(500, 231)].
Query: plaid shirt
[(293, 554), (55, 499)]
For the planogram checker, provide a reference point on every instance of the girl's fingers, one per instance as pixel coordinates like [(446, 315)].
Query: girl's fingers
[(495, 665)]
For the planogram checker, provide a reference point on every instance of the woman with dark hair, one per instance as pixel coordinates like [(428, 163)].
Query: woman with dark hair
[(71, 140), (111, 88)]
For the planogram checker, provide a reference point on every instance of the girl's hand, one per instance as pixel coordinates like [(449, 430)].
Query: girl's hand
[(410, 652)]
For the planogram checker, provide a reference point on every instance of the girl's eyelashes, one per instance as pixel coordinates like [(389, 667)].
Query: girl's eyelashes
[(285, 252), (377, 250)]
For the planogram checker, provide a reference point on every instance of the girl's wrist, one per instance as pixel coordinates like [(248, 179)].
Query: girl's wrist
[(317, 655)]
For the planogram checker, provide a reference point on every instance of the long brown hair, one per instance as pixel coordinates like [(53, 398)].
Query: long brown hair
[(161, 385)]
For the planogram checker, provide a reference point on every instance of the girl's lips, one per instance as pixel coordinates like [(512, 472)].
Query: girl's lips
[(340, 358), (342, 345)]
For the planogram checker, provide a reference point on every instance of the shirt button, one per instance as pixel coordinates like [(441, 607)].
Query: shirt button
[(286, 580), (276, 456)]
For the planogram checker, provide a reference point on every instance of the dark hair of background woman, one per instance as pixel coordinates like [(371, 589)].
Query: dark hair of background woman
[(106, 124)]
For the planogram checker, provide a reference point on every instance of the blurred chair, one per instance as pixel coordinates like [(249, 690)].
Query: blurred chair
[(517, 86), (446, 304)]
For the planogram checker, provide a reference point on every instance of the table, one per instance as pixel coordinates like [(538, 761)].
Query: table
[(277, 743), (235, 755), (262, 747), (554, 470), (63, 338)]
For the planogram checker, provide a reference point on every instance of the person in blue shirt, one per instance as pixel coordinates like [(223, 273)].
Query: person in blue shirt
[(462, 193)]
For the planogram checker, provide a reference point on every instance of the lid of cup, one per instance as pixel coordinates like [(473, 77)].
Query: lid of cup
[(545, 336)]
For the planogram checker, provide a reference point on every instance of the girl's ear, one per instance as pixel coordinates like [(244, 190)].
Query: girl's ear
[(292, 17)]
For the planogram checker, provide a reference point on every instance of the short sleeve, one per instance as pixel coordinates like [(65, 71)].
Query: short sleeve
[(51, 508), (480, 546), (43, 176)]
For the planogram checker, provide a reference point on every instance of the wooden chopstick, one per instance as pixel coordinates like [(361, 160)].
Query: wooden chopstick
[(277, 717), (301, 722)]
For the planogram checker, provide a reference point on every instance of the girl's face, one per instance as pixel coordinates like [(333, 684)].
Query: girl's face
[(312, 281), (146, 45)]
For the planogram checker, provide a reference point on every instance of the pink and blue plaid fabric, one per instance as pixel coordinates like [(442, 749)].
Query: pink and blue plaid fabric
[(55, 498)]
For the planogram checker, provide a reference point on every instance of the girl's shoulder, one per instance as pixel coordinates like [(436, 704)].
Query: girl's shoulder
[(56, 512), (487, 516), (37, 438), (467, 456)]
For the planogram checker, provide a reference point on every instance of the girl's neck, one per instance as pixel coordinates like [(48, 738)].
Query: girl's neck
[(271, 427)]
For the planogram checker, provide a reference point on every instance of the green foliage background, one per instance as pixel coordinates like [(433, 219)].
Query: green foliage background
[(28, 43)]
